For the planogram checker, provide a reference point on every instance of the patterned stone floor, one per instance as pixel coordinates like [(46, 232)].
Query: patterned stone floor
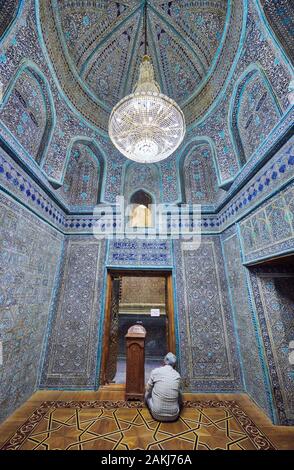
[(105, 424)]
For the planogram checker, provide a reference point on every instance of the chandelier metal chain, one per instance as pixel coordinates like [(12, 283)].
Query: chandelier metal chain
[(146, 126), (145, 28)]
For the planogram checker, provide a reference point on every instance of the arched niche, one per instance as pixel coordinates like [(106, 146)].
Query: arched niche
[(254, 111), (28, 111), (9, 11), (198, 174), (280, 16), (142, 177), (83, 179), (141, 209)]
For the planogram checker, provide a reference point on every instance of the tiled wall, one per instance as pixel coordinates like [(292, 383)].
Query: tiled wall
[(248, 331), (274, 302), (29, 258), (71, 352), (221, 335), (207, 337), (269, 230)]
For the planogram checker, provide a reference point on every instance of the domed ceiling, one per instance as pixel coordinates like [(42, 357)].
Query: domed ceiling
[(96, 47), (105, 41)]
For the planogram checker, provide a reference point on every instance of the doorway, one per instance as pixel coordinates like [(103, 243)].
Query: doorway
[(137, 297)]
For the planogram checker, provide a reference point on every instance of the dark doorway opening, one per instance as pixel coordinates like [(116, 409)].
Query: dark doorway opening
[(142, 297)]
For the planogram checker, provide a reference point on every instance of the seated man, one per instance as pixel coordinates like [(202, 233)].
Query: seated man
[(162, 395)]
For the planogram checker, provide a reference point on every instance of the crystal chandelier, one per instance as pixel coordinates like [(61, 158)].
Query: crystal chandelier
[(146, 126)]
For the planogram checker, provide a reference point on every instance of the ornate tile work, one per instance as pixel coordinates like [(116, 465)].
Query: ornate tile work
[(180, 68), (209, 19), (170, 180), (254, 113), (21, 155), (71, 356), (23, 51), (139, 253), (23, 187), (8, 12), (84, 25), (199, 179), (29, 255), (269, 230), (208, 353), (280, 15), (28, 113), (261, 50), (251, 351), (20, 185), (70, 30), (105, 70), (83, 177), (258, 48), (84, 224), (146, 177), (268, 148), (115, 164), (215, 128), (68, 126), (197, 107), (273, 175), (273, 294)]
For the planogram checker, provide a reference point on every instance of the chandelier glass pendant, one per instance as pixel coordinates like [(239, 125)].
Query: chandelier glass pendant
[(147, 126)]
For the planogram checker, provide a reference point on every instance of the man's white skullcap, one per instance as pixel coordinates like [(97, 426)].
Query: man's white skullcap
[(170, 359)]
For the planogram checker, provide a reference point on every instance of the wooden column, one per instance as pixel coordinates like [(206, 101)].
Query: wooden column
[(135, 357)]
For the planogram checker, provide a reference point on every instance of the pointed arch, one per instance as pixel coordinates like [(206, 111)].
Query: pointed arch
[(279, 15), (138, 176), (141, 197), (199, 174), (254, 111), (141, 209), (28, 110), (83, 179), (10, 11)]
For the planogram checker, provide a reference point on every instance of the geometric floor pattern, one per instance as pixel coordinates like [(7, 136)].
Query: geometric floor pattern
[(121, 425)]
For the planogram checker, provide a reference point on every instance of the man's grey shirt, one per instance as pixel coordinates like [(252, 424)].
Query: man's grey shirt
[(164, 383)]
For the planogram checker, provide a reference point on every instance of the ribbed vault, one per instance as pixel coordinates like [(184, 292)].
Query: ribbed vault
[(96, 47)]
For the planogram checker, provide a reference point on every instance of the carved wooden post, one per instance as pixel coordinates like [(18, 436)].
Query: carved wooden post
[(135, 357)]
